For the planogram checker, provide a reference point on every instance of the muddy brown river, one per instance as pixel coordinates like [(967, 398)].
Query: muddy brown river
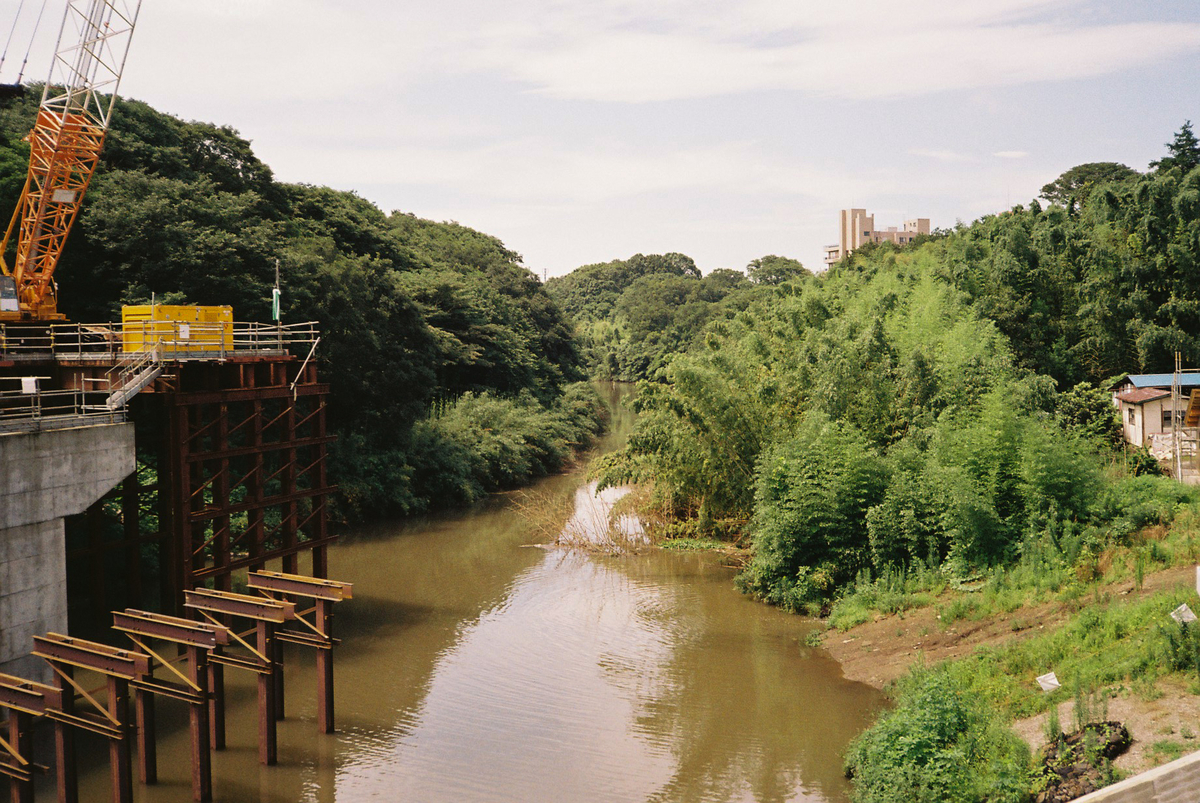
[(476, 667)]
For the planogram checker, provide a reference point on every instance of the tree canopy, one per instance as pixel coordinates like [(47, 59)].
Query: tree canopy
[(773, 269), (633, 316), (1183, 151), (1074, 186)]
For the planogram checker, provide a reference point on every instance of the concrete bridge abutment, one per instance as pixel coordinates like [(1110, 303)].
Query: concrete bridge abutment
[(45, 476)]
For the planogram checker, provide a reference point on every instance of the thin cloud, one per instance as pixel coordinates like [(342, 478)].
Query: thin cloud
[(1011, 154), (614, 54)]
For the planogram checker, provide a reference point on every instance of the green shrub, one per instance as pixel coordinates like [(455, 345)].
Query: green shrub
[(1136, 502), (481, 442), (811, 503), (940, 744), (1181, 644)]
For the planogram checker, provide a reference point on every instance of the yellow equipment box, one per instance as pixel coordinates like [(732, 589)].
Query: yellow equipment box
[(175, 328)]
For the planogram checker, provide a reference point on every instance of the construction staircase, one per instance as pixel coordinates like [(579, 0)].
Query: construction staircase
[(130, 376)]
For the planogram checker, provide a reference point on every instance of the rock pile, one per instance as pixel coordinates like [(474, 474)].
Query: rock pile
[(1078, 763)]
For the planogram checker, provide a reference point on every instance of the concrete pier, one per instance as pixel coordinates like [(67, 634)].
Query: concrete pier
[(45, 476)]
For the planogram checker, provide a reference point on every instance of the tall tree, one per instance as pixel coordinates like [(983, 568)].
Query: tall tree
[(1184, 151), (1073, 187), (773, 269)]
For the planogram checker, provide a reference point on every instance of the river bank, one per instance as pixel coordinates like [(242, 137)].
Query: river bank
[(1159, 706)]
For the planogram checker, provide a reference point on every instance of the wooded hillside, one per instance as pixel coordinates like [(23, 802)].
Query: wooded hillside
[(417, 317), (940, 404)]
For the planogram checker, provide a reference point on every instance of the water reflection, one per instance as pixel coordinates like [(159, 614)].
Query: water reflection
[(622, 679), (592, 524), (474, 668)]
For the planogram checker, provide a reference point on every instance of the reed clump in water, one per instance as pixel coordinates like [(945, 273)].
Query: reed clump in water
[(545, 513)]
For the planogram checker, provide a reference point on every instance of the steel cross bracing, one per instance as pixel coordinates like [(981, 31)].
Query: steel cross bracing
[(199, 684), (324, 593), (266, 615), (232, 476), (197, 640), (109, 719)]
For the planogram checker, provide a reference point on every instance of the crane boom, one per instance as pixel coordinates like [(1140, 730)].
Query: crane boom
[(64, 145)]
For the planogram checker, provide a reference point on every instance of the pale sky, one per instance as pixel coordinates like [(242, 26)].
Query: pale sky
[(581, 132)]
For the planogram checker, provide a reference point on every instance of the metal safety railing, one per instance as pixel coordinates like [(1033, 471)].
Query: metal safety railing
[(171, 340), (28, 408)]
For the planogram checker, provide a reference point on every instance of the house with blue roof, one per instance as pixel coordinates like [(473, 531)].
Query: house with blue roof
[(1151, 415)]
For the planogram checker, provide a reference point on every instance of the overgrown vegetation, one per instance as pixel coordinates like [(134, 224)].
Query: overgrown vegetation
[(1139, 525), (941, 743), (423, 324), (938, 407), (932, 425)]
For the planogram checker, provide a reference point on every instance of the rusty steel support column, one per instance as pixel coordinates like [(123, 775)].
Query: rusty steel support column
[(220, 492), (324, 624), (65, 775), (170, 588), (216, 704), (20, 738), (277, 678), (320, 557), (255, 491), (119, 756), (198, 726), (267, 731), (143, 707), (291, 561)]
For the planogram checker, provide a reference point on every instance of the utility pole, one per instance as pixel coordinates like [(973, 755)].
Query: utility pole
[(276, 296), (1175, 433)]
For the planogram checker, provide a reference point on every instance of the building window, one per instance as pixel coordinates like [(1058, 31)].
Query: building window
[(1166, 419), (1131, 415), (866, 234)]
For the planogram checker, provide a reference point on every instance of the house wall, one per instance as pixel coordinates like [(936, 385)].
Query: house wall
[(1152, 417), (1131, 423), (1147, 419)]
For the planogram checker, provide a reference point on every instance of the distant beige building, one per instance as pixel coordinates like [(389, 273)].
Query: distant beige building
[(857, 228)]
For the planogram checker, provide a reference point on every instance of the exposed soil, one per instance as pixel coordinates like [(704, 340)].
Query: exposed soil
[(1170, 717), (881, 651)]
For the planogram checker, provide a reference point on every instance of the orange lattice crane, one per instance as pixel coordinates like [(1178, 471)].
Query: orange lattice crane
[(64, 148)]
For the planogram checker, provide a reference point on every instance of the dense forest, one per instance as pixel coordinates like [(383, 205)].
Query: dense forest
[(452, 372), (633, 315), (941, 404)]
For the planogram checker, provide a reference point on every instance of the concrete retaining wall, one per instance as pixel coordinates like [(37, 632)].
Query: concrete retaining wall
[(45, 476), (1177, 782)]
